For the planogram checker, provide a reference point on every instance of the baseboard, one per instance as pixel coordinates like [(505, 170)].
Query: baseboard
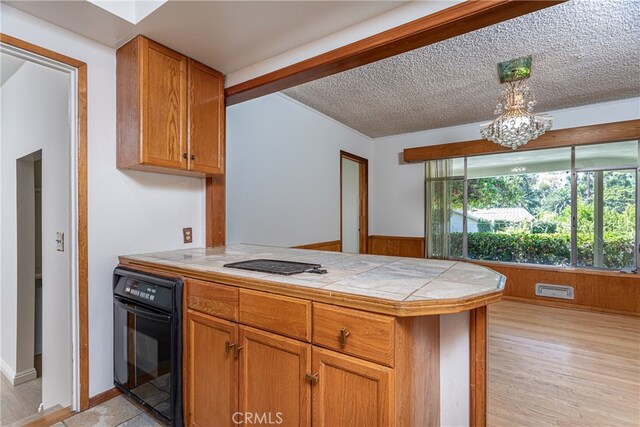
[(103, 397), (49, 417), (568, 306), (17, 378), (6, 370), (332, 246)]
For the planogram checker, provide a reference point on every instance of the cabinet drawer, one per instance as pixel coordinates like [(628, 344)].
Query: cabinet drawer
[(366, 335), (211, 298), (276, 313)]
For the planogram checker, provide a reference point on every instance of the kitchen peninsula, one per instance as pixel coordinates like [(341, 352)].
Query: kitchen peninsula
[(359, 345)]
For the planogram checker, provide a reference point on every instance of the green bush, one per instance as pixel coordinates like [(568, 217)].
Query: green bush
[(521, 247), (544, 227), (548, 248), (618, 250)]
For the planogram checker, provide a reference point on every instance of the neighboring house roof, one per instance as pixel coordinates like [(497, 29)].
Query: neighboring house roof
[(503, 214), (470, 215)]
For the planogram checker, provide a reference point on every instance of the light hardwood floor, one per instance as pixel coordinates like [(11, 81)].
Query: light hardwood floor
[(558, 367)]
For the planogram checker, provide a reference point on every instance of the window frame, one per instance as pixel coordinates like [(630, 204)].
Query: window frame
[(574, 207)]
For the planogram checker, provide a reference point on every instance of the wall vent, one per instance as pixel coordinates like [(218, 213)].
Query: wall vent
[(554, 291)]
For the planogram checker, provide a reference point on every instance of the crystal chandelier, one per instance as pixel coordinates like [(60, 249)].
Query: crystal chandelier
[(517, 124)]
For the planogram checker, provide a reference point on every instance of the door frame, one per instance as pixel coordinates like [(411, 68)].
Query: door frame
[(79, 224), (364, 200)]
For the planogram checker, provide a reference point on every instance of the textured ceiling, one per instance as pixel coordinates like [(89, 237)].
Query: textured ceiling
[(583, 52)]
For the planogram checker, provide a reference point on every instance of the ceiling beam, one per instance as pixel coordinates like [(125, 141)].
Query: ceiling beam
[(451, 22), (594, 134)]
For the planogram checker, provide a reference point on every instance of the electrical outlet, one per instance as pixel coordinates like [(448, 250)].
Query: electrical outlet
[(187, 235)]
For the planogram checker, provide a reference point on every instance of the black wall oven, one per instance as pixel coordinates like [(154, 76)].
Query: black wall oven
[(148, 341)]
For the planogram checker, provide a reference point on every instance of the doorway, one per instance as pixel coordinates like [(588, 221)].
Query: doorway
[(354, 206), (43, 244)]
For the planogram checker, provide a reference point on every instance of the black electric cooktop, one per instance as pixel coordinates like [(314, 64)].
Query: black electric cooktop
[(273, 266)]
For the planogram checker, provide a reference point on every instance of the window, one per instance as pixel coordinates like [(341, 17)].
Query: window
[(606, 189), (573, 206)]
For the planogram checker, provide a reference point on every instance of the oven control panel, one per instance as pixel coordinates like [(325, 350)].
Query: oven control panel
[(142, 290), (151, 294)]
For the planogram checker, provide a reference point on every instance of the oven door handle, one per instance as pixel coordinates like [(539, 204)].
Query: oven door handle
[(143, 312)]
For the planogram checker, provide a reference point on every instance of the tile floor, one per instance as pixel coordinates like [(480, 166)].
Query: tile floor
[(117, 412), (21, 401)]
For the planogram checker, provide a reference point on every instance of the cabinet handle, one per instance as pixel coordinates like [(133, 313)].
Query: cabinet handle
[(312, 377), (228, 346), (184, 156), (236, 350), (193, 157), (344, 333)]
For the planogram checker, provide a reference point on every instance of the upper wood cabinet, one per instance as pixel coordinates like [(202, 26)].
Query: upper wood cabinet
[(170, 111), (206, 119)]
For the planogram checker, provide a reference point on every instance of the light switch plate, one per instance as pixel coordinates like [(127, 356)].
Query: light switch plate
[(60, 241), (187, 235)]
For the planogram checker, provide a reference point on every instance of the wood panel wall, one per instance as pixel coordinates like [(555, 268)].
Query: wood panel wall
[(397, 246), (594, 290), (478, 366), (332, 246)]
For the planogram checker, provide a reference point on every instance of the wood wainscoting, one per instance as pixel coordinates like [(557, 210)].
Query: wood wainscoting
[(397, 246), (332, 246), (594, 290), (610, 292), (378, 245)]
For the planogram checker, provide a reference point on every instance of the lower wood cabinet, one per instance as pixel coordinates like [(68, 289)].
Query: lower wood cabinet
[(273, 382), (350, 391), (236, 373), (211, 370)]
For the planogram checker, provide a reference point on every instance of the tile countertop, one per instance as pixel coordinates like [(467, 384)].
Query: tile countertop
[(392, 285)]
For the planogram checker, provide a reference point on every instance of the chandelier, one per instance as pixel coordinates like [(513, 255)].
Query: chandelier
[(517, 124)]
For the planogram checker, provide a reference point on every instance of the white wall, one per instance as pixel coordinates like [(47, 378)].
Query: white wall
[(283, 172), (454, 369), (129, 212), (397, 190)]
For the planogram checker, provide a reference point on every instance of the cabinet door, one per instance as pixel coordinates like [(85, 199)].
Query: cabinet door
[(206, 119), (164, 94), (350, 391), (212, 371), (273, 386)]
